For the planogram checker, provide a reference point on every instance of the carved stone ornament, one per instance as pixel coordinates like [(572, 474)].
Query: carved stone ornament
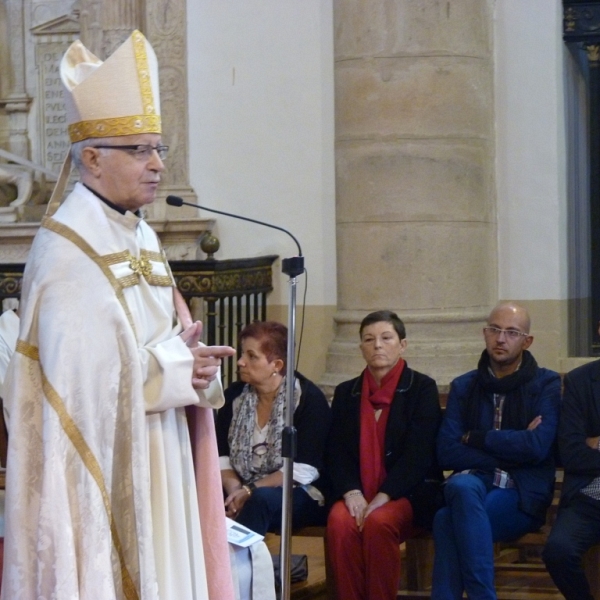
[(40, 33), (51, 41)]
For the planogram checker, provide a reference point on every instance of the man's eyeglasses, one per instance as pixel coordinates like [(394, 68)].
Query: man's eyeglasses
[(512, 334), (141, 151)]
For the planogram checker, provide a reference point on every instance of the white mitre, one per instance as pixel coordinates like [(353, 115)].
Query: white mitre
[(119, 96)]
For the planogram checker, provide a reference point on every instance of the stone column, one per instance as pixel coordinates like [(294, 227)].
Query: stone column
[(416, 228), (17, 102), (166, 28)]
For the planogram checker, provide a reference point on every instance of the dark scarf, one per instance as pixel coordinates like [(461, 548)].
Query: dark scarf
[(514, 414)]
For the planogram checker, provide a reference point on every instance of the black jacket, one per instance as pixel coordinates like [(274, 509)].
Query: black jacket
[(410, 436), (579, 419)]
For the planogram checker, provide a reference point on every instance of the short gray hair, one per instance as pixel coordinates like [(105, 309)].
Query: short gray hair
[(77, 150)]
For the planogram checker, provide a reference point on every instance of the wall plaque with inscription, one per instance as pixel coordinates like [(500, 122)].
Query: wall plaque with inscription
[(52, 41), (53, 119)]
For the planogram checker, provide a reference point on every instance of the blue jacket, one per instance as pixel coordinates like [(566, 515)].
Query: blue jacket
[(527, 455)]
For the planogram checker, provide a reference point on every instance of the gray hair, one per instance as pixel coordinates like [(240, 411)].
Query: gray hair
[(77, 150)]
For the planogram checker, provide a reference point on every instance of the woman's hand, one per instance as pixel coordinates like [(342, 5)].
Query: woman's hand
[(356, 505), (235, 502), (379, 500)]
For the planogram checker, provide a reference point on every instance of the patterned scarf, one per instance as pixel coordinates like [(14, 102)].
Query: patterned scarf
[(372, 431), (241, 433)]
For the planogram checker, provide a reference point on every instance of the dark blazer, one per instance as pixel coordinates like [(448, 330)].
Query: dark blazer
[(410, 435), (579, 419), (311, 420)]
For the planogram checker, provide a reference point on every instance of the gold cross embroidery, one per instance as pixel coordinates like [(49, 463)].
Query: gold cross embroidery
[(141, 266)]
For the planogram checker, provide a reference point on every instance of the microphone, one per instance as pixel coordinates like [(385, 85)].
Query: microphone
[(177, 201), (293, 267)]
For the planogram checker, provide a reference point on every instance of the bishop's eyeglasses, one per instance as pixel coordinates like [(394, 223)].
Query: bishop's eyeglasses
[(141, 151)]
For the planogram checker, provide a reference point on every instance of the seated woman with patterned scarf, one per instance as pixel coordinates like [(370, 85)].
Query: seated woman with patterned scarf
[(249, 431)]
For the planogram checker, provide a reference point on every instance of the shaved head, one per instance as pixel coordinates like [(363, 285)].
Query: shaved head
[(519, 312), (507, 337)]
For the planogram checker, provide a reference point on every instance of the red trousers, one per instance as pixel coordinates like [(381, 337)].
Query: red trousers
[(366, 564)]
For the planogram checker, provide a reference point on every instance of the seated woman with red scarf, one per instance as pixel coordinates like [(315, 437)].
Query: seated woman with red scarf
[(381, 462)]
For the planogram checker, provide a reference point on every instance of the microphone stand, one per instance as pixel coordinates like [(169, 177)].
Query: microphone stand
[(292, 267)]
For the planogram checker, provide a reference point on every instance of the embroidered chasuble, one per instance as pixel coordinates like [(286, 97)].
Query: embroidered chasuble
[(101, 496)]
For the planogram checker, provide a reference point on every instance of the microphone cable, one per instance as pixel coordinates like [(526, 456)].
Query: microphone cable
[(177, 201)]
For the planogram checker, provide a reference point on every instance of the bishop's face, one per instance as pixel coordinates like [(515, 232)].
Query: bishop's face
[(126, 178)]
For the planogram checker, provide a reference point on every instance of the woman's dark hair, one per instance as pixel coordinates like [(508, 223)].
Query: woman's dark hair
[(388, 317), (272, 337)]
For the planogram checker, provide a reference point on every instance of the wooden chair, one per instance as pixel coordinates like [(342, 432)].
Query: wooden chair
[(513, 557)]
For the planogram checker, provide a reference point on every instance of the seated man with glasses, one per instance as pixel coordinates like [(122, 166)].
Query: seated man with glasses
[(497, 436)]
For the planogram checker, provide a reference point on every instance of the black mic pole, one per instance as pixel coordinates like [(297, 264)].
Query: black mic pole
[(292, 267)]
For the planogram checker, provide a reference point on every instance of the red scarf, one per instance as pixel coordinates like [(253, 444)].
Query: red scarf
[(372, 432)]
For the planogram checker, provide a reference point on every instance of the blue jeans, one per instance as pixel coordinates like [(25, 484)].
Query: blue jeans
[(476, 515), (262, 511), (577, 528)]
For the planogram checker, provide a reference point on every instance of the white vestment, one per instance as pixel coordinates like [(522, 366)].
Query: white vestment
[(101, 497), (9, 333)]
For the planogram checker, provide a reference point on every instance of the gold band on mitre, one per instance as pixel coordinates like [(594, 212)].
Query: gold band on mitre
[(119, 96), (113, 127)]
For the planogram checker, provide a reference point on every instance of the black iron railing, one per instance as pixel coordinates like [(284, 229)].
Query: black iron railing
[(232, 293)]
